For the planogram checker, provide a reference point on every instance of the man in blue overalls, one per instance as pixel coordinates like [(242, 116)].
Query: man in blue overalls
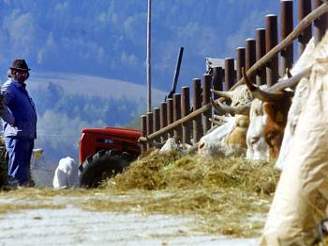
[(19, 123)]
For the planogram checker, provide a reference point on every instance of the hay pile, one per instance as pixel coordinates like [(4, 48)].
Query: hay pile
[(174, 171), (227, 195)]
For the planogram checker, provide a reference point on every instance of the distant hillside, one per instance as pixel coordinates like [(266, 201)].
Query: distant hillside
[(77, 84), (66, 103)]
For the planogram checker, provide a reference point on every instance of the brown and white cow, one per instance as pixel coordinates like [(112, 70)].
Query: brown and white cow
[(269, 111)]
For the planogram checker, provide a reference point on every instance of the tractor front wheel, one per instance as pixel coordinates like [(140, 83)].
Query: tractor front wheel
[(101, 166)]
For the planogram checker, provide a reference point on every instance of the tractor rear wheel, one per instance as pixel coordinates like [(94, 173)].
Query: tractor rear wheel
[(101, 166)]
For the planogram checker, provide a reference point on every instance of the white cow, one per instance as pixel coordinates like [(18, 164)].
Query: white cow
[(66, 174), (172, 145), (169, 146), (299, 100), (301, 197), (229, 138)]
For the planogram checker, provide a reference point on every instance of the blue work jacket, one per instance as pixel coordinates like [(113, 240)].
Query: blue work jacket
[(19, 115)]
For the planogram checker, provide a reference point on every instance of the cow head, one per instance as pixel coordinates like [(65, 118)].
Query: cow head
[(266, 129), (226, 139), (229, 138), (268, 118)]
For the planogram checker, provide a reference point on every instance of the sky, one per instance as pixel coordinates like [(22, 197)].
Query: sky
[(107, 38)]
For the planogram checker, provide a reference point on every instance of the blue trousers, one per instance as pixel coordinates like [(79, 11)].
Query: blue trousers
[(19, 159)]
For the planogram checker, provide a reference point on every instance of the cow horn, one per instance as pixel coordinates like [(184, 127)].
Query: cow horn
[(290, 82), (220, 117), (289, 74), (225, 94), (261, 94), (218, 121), (215, 122), (248, 83), (220, 107)]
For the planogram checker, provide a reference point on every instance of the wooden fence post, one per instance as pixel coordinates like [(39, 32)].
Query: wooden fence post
[(229, 73), (286, 22), (250, 58), (304, 8), (156, 122), (163, 118), (217, 80), (271, 40), (206, 93), (185, 110), (240, 63), (177, 115), (170, 114), (260, 52), (150, 129), (196, 104), (143, 128)]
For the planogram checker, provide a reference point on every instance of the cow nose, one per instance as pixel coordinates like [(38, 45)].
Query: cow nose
[(254, 140), (201, 145)]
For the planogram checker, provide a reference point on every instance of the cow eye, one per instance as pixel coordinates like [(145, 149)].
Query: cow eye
[(254, 140), (270, 135)]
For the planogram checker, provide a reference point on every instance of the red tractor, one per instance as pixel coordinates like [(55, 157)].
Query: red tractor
[(105, 152)]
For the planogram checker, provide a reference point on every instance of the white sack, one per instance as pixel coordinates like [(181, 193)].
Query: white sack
[(302, 193), (66, 174), (306, 60)]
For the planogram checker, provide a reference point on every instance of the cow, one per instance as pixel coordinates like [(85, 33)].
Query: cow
[(269, 111), (172, 145), (229, 138)]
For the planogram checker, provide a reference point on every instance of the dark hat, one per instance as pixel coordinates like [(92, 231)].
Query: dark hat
[(19, 64)]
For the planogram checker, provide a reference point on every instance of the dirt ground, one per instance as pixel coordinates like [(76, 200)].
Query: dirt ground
[(60, 221)]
